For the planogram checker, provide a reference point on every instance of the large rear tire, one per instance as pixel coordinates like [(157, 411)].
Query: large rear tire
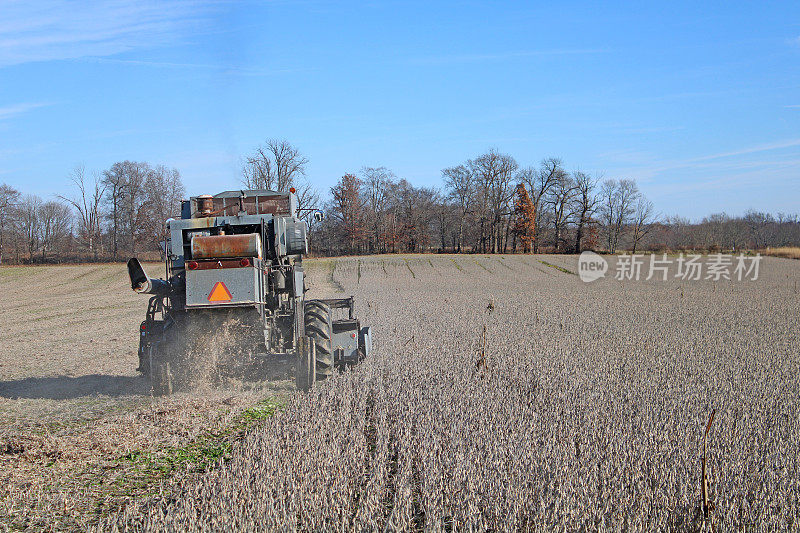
[(305, 374), (163, 363), (319, 327), (162, 378), (145, 348)]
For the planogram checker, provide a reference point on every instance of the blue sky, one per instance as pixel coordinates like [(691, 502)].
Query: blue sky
[(699, 104)]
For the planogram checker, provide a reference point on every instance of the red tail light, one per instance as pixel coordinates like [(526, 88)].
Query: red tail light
[(192, 265), (245, 262)]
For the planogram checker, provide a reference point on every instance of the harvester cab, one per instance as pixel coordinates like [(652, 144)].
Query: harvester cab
[(234, 262)]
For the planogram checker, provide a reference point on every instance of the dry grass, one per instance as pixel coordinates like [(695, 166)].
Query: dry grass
[(788, 252)]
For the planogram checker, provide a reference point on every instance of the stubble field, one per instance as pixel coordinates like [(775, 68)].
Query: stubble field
[(581, 406)]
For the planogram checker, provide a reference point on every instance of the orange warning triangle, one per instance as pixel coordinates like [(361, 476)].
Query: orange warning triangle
[(220, 293)]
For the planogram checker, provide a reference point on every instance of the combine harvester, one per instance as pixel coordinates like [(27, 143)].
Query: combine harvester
[(234, 263)]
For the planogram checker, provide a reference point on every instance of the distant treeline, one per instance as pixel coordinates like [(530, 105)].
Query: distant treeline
[(114, 214), (492, 205), (489, 204)]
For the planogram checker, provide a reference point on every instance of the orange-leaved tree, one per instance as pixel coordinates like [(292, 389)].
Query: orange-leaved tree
[(349, 210), (591, 240), (524, 218)]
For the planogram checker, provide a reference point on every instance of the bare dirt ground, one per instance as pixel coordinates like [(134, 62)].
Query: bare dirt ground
[(76, 418)]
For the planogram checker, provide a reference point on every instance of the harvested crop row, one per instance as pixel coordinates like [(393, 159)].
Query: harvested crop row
[(583, 407)]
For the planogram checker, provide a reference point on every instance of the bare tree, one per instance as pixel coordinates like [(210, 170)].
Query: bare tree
[(55, 221), (445, 214), (494, 173), (618, 200), (783, 234), (405, 199), (677, 234), (376, 182), (585, 203), (460, 184), (28, 219), (275, 165), (114, 180), (140, 198), (8, 200), (420, 206), (88, 206), (756, 223), (643, 219), (134, 204), (307, 200), (608, 209), (559, 198), (628, 196), (164, 191)]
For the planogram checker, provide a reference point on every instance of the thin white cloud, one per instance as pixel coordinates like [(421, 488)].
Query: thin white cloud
[(730, 180), (649, 169), (749, 150), (164, 64), (59, 29), (503, 56), (795, 41), (795, 106), (200, 66), (17, 109)]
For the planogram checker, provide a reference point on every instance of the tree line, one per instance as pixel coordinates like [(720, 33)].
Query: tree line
[(487, 204), (492, 204), (112, 214)]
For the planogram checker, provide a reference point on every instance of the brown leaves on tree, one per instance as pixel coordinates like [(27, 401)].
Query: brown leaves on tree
[(525, 218), (349, 209)]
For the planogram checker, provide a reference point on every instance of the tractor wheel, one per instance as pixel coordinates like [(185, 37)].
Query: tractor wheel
[(319, 327), (144, 351), (163, 365), (161, 378), (305, 374)]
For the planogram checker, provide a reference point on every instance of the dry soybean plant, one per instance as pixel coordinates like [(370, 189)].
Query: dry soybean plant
[(585, 422), (707, 506)]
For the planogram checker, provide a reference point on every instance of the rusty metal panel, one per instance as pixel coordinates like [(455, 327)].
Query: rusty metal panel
[(176, 228), (216, 246), (219, 203), (270, 205), (274, 205), (249, 206), (211, 264)]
